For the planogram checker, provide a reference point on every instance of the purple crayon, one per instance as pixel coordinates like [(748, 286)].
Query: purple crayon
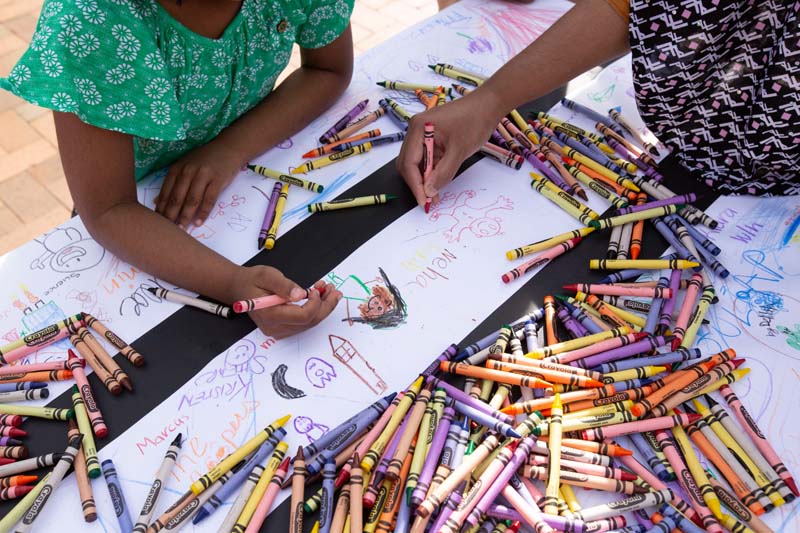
[(635, 348), (592, 114), (519, 456), (486, 420), (334, 440), (464, 398), (375, 141), (269, 214), (342, 122), (573, 326), (673, 241), (449, 507), (446, 355), (682, 199), (654, 313), (435, 450), (665, 319), (10, 441), (545, 169)]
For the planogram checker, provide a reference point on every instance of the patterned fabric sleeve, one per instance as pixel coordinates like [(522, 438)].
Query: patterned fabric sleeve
[(326, 21), (91, 58)]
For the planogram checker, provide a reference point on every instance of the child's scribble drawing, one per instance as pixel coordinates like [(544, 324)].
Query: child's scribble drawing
[(792, 335), (283, 389), (66, 250), (464, 216), (313, 431), (319, 372), (380, 304), (511, 27), (344, 351)]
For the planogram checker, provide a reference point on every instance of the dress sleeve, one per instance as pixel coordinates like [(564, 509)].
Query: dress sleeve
[(326, 20), (622, 7), (91, 58)]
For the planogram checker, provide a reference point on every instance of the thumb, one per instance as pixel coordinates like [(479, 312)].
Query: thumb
[(274, 281), (443, 173)]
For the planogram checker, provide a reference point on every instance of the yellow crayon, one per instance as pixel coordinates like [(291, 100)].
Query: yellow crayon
[(458, 75), (554, 467), (605, 192), (633, 373), (234, 458), (729, 378), (49, 413), (697, 316), (280, 206), (345, 203), (570, 205), (330, 159), (642, 264), (285, 178), (261, 487), (401, 111), (545, 244), (373, 454), (88, 445), (524, 127), (608, 409), (612, 222), (569, 496), (574, 344), (600, 169), (696, 469), (627, 316)]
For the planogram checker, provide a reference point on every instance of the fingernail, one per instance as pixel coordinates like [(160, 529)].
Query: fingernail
[(297, 293), (181, 226), (198, 222)]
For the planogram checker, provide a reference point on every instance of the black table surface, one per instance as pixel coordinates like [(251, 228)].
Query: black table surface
[(184, 343)]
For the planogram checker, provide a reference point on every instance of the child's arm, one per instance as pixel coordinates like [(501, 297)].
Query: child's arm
[(558, 55), (99, 167), (194, 181)]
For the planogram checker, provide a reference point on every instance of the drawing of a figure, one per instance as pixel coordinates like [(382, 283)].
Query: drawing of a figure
[(346, 353), (792, 335), (309, 428), (319, 372), (464, 216), (66, 250), (378, 301)]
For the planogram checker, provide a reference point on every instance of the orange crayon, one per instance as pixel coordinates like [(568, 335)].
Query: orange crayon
[(331, 147), (41, 376), (494, 375)]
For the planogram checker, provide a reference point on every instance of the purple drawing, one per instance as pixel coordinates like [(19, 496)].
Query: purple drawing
[(309, 428), (319, 372)]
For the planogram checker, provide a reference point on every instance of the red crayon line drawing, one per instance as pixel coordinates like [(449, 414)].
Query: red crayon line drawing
[(344, 351), (468, 217)]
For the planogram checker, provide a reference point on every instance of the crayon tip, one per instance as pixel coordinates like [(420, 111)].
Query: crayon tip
[(46, 393), (627, 476), (126, 382), (571, 287), (299, 170), (281, 421), (738, 362), (582, 195), (792, 485), (380, 83), (710, 401), (310, 153), (428, 205), (391, 197), (510, 410), (594, 224), (178, 440), (201, 514), (640, 335), (262, 241), (299, 456), (151, 290), (556, 402), (693, 417), (432, 67), (594, 384)]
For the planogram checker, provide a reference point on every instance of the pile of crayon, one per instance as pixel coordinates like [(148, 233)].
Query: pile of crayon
[(83, 418)]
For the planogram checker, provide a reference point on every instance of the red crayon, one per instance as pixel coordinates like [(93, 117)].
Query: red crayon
[(427, 158), (17, 491), (9, 431), (10, 420)]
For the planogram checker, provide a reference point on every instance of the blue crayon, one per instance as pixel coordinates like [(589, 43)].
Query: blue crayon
[(665, 319), (486, 420), (226, 490), (698, 237), (592, 146), (580, 315), (592, 152), (117, 496), (591, 114), (488, 340), (573, 326), (375, 141), (344, 434), (673, 241), (531, 331), (641, 443), (654, 313), (403, 522), (685, 525), (683, 354), (326, 509), (711, 262), (27, 385)]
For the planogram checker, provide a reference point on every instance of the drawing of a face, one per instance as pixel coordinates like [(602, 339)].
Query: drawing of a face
[(380, 303), (319, 372), (67, 251), (303, 424), (240, 354), (485, 227)]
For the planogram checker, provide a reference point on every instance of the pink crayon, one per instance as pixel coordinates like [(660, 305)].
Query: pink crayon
[(260, 514), (35, 367), (265, 302), (602, 346), (620, 290), (540, 260), (76, 364), (427, 158), (687, 307), (649, 424)]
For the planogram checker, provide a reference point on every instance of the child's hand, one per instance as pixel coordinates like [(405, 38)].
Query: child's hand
[(287, 319), (194, 183)]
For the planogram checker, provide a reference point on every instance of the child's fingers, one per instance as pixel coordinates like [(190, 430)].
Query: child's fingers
[(272, 280), (409, 159), (209, 199), (179, 192), (195, 195), (166, 188), (443, 173), (293, 314)]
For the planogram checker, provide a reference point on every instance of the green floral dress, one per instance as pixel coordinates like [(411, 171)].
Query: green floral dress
[(128, 66)]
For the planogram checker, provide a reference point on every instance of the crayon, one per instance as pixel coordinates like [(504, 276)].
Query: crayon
[(712, 264), (346, 203), (22, 385), (117, 496), (575, 344), (428, 141), (298, 484), (158, 485), (688, 483), (253, 472), (330, 159), (589, 113), (85, 493), (24, 395), (539, 522), (397, 109), (48, 413), (548, 168), (17, 481), (404, 442), (617, 290), (617, 117), (530, 406), (751, 427), (702, 240), (550, 334), (552, 376), (521, 140), (588, 481), (427, 429), (644, 264), (259, 490), (501, 155), (554, 465), (675, 200), (32, 342), (523, 126), (644, 345), (104, 358), (697, 316), (85, 427), (406, 86), (457, 74), (103, 373), (33, 367), (476, 403), (357, 125), (609, 472), (356, 491), (376, 141), (263, 507), (326, 511), (605, 223), (597, 347), (427, 101), (573, 185), (598, 187), (435, 450), (98, 424), (372, 436), (285, 178), (566, 202), (280, 205), (331, 147), (342, 122), (240, 453), (545, 244), (14, 452), (53, 481), (486, 341), (494, 375), (734, 504), (115, 340), (540, 260), (184, 299), (269, 214), (22, 506), (650, 424), (52, 375), (590, 163)]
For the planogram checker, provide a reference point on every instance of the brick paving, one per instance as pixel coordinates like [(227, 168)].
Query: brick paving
[(33, 191)]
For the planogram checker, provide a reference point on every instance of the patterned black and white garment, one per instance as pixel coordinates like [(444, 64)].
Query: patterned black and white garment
[(719, 82)]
